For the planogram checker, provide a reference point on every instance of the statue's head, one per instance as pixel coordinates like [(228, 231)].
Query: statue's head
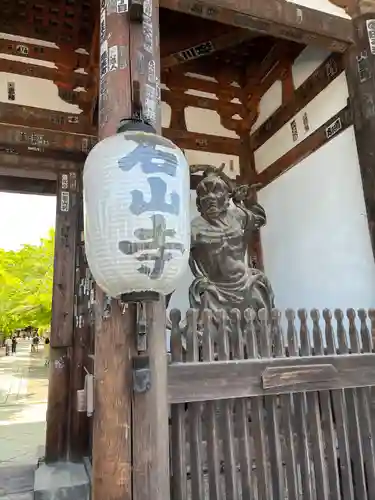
[(213, 196)]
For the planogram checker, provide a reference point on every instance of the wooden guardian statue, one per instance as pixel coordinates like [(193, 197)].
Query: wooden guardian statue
[(228, 218)]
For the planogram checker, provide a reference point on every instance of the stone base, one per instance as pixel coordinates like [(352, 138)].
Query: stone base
[(61, 481)]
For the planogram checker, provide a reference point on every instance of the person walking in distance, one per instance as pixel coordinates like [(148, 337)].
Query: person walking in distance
[(14, 345), (46, 351), (8, 346)]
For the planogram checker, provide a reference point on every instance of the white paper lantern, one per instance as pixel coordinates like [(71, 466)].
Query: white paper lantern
[(137, 221)]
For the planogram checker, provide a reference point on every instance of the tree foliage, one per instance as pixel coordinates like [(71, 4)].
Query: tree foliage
[(26, 277)]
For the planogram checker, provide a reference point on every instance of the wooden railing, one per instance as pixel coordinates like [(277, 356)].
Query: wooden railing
[(259, 413)]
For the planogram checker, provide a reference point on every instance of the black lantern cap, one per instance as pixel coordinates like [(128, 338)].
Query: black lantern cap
[(135, 125)]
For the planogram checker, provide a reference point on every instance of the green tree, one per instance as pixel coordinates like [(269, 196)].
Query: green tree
[(26, 277)]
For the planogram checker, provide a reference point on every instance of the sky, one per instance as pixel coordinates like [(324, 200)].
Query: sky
[(25, 219)]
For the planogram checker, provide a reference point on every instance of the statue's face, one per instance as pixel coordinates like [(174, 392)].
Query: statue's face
[(212, 196)]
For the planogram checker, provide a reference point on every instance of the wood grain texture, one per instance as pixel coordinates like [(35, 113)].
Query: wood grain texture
[(67, 207), (57, 417), (62, 317), (114, 336), (360, 74), (150, 416), (79, 428), (29, 116), (281, 19), (307, 442)]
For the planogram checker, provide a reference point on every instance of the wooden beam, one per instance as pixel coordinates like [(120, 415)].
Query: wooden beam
[(277, 18), (64, 57), (310, 88), (257, 80), (203, 142), (28, 140), (53, 155), (64, 146), (194, 101), (36, 162), (12, 184), (201, 46), (180, 82), (325, 133), (70, 79), (262, 377), (28, 116)]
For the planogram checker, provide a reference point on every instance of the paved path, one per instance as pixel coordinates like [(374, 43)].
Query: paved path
[(23, 403)]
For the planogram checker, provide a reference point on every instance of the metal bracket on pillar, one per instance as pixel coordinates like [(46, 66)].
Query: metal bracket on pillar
[(141, 374), (137, 122), (136, 11)]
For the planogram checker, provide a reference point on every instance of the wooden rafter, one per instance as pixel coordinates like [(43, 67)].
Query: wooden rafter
[(185, 100), (178, 81), (64, 57), (68, 23), (70, 79), (277, 18), (203, 45), (203, 142)]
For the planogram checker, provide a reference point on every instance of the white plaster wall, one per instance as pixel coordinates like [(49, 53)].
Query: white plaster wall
[(316, 244), (322, 5), (319, 110)]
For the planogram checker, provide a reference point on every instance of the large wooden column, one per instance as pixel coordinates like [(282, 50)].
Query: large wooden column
[(62, 318), (79, 424), (360, 72), (130, 432)]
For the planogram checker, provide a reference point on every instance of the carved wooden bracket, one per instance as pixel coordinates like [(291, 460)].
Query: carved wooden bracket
[(355, 8)]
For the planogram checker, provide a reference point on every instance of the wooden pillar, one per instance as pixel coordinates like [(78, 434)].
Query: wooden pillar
[(62, 318), (79, 426), (360, 72), (114, 332), (248, 175), (129, 88)]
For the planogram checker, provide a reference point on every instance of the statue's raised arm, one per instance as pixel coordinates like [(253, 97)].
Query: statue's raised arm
[(251, 213)]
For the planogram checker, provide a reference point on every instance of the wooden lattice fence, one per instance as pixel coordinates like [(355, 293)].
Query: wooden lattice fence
[(267, 414)]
